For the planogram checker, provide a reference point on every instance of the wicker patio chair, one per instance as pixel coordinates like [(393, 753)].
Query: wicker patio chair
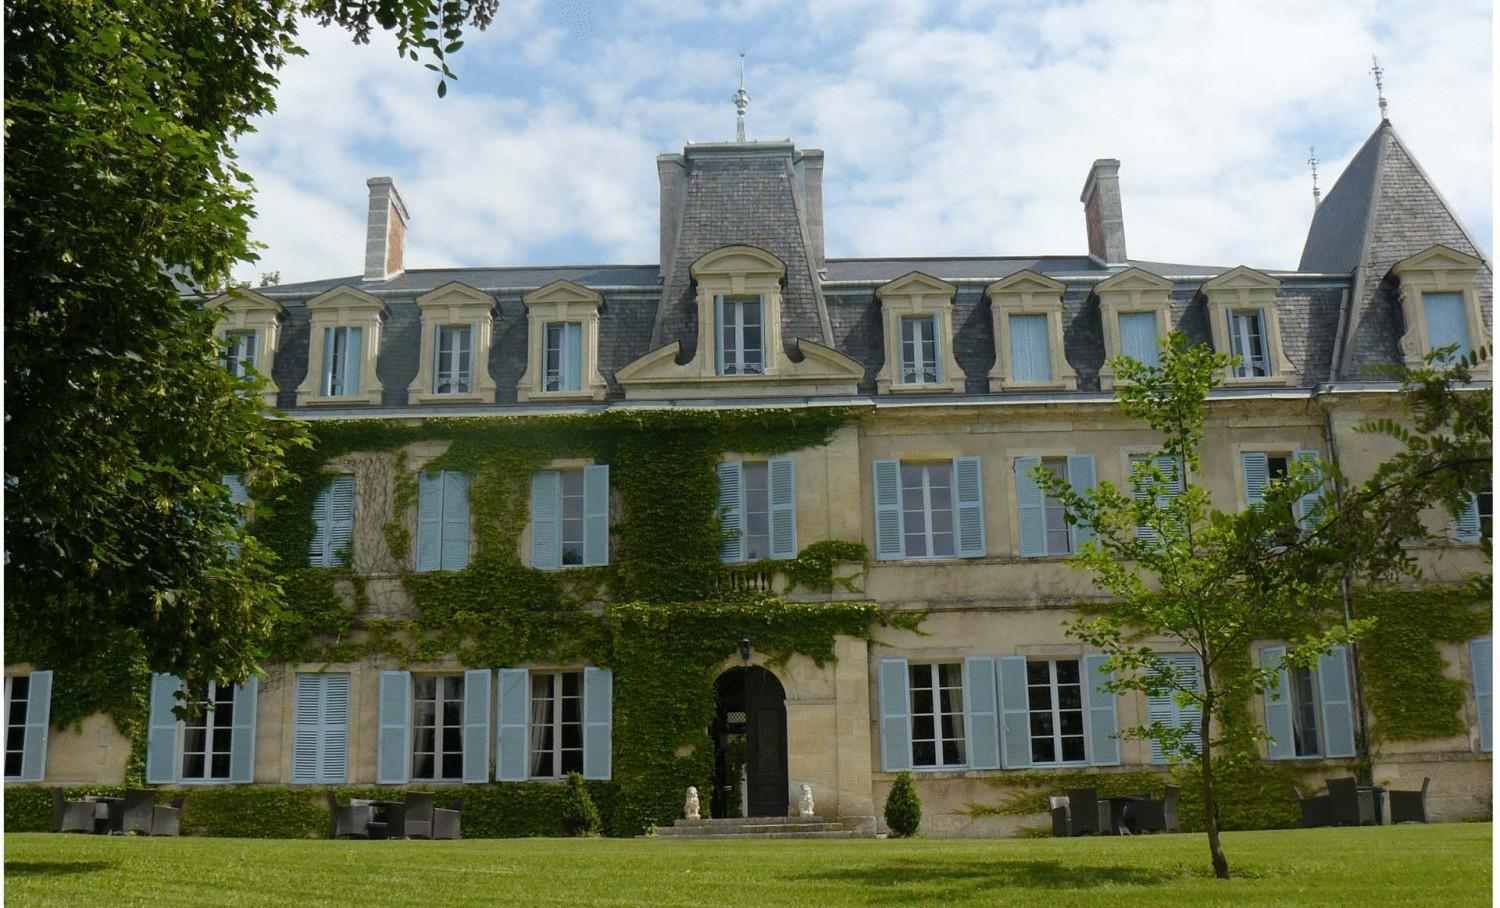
[(71, 816), (419, 810), (446, 822), (1316, 810), (140, 804), (166, 819), (351, 821), (1061, 826), (1158, 816), (1348, 805), (1083, 811), (1409, 806)]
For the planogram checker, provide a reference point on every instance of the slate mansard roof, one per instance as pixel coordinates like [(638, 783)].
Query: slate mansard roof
[(768, 195)]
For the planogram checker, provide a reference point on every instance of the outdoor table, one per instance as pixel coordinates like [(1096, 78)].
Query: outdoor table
[(390, 816), (109, 814), (1119, 819)]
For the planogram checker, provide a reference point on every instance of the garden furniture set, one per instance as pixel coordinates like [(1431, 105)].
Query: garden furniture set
[(1083, 812), (1348, 803), (137, 811), (417, 817)]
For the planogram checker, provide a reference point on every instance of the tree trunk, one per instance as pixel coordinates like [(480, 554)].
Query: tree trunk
[(1210, 802)]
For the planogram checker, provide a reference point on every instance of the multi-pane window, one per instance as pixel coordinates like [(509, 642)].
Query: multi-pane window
[(1054, 692), (937, 715), (741, 344), (452, 372), (556, 724), (1247, 340), (1059, 538), (757, 511), (239, 351), (927, 509), (207, 737), (563, 357), (919, 352), (437, 750), (1304, 684), (1138, 337), (1447, 322), (342, 350), (1030, 348), (17, 692), (572, 517)]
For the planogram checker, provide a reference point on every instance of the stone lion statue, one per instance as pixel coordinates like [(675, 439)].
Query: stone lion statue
[(690, 807), (805, 805)]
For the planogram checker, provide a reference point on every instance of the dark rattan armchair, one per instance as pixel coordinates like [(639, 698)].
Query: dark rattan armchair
[(351, 821), (1083, 811), (1348, 804), (71, 816), (1158, 816), (1409, 806), (1316, 810)]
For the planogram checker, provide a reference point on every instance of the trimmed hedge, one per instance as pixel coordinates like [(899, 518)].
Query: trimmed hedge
[(495, 811)]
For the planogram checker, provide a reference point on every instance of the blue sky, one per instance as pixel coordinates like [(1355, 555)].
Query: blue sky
[(950, 128)]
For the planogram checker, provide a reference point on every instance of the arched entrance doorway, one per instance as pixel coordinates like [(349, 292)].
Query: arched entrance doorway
[(749, 735)]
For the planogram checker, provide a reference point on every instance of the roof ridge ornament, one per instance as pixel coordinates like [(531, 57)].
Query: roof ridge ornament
[(741, 101), (1377, 72), (1312, 161)]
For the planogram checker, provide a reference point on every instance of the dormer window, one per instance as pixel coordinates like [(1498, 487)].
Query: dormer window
[(457, 323), (562, 359), (917, 313), (1135, 307), (1026, 314), (343, 344), (1245, 322), (1440, 302), (249, 329), (741, 335)]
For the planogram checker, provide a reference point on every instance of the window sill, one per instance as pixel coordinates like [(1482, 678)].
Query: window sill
[(351, 400), (932, 559), (428, 398), (1263, 381)]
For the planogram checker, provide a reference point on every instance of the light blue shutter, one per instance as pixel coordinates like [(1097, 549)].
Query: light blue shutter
[(477, 725), (596, 515), (317, 547), (1160, 708), (429, 521), (1138, 337), (719, 335), (242, 731), (1015, 713), (983, 712), (393, 751), (1338, 705), (598, 710), (455, 555), (511, 730), (1447, 322), (1031, 514), (889, 543), (732, 511), (354, 356), (1308, 503), (782, 476), (1191, 715), (1257, 475), (546, 489), (1480, 672), (1164, 709), (341, 518), (895, 715), (334, 767), (307, 728), (238, 495), (38, 721), (1081, 476), (1103, 722), (161, 730), (327, 383), (1281, 745), (1140, 490), (970, 505), (572, 356), (1030, 348), (1467, 527)]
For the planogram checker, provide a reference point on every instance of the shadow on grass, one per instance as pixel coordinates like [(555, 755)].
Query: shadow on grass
[(943, 879), (54, 868)]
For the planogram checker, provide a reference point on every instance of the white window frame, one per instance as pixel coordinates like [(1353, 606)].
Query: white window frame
[(346, 307), (1056, 711), (557, 380), (243, 309), (555, 698), (438, 751), (1051, 503), (935, 687), (732, 309), (918, 296), (916, 369), (338, 364), (1240, 338), (928, 535), (235, 359), (456, 362), (564, 497), (13, 729), (212, 723), (454, 305)]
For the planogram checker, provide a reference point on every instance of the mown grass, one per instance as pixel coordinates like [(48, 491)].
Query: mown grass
[(1425, 865)]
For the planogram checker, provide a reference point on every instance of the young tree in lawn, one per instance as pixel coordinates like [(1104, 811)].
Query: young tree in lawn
[(1209, 583)]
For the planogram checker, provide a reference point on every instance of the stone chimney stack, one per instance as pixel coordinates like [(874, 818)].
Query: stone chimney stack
[(809, 169), (385, 231), (1103, 213), (672, 170)]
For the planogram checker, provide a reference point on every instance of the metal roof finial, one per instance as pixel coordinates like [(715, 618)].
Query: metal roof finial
[(741, 101), (1377, 72), (1312, 161)]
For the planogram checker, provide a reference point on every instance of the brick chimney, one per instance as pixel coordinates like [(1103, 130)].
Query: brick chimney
[(1102, 212), (385, 231)]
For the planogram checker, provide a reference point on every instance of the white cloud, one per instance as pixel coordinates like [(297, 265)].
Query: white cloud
[(964, 130)]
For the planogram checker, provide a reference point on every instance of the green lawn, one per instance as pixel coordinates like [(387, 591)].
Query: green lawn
[(1426, 865)]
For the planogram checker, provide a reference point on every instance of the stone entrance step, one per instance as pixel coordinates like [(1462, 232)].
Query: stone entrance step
[(758, 828)]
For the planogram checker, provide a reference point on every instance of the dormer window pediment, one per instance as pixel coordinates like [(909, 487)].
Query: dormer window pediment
[(1245, 322), (1026, 315), (1135, 308), (250, 330), (1439, 290), (562, 331), (343, 347), (917, 314), (457, 326)]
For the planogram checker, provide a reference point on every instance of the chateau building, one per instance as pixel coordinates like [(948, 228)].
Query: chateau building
[(955, 377)]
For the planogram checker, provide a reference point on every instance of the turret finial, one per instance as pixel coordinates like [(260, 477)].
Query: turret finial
[(1312, 161), (1378, 73), (741, 101)]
